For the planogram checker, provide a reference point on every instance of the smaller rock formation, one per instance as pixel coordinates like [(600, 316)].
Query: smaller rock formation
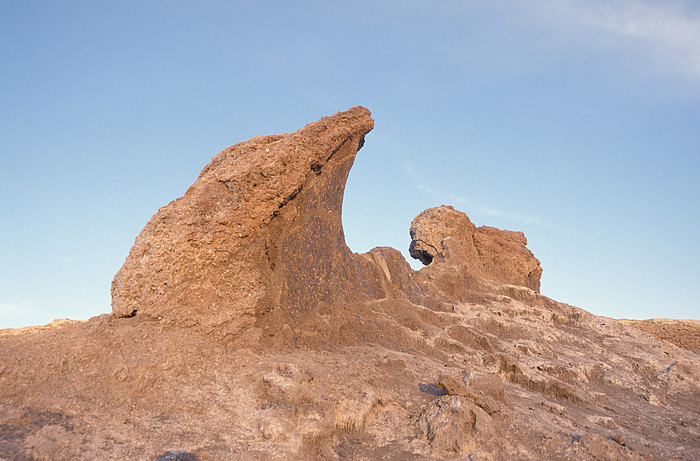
[(443, 235)]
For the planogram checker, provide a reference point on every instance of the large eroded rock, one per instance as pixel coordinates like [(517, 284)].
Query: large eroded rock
[(260, 228)]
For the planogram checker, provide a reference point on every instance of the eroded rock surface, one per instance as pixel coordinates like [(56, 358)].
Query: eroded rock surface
[(244, 328), (213, 256), (445, 235)]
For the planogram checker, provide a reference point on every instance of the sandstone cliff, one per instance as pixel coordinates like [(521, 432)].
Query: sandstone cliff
[(244, 328)]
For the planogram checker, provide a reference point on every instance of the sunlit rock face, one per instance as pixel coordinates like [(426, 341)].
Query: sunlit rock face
[(260, 228), (444, 235)]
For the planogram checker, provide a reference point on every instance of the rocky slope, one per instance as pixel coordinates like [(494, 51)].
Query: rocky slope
[(244, 328)]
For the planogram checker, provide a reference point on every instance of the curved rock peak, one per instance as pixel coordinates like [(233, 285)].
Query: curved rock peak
[(260, 228), (243, 328)]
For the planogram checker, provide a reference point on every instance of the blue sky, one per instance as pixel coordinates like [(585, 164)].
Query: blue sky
[(575, 122)]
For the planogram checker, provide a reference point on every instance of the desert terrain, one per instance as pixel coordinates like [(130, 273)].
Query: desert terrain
[(243, 328)]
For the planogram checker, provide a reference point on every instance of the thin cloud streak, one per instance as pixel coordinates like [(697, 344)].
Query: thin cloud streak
[(463, 202), (512, 216), (662, 37), (665, 34), (16, 309)]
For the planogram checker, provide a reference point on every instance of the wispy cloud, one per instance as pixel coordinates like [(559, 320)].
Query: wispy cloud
[(16, 309), (664, 35), (643, 35), (463, 203), (524, 218)]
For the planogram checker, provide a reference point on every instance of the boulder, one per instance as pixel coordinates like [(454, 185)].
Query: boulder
[(443, 235), (455, 427)]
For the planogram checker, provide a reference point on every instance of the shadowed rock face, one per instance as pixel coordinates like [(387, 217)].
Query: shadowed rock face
[(243, 328)]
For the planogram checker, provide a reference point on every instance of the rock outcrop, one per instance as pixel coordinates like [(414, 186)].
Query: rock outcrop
[(260, 227), (447, 236), (244, 328)]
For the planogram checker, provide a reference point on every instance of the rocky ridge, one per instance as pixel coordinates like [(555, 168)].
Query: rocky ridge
[(244, 328)]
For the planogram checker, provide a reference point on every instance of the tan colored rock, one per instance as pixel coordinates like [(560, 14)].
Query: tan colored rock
[(444, 235), (452, 385), (682, 333), (259, 228), (488, 384), (485, 389), (456, 427), (57, 323)]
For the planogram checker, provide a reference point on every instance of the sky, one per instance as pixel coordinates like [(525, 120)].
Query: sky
[(575, 122)]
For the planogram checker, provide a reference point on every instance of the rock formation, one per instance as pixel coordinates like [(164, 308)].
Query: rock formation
[(260, 227), (448, 236), (244, 328)]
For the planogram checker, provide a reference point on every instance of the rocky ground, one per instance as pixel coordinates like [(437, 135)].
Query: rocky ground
[(244, 328), (682, 333)]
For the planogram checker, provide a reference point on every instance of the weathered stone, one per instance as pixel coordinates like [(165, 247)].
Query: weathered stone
[(455, 427), (489, 384), (244, 328), (259, 229), (444, 235), (454, 386)]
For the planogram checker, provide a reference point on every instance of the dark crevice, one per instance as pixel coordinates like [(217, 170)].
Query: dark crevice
[(432, 389), (177, 455), (316, 167), (130, 315), (340, 146), (422, 255), (285, 201)]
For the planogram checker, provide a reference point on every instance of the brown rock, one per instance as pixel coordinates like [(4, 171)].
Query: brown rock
[(446, 236), (488, 384), (454, 386), (260, 228), (682, 333), (486, 390), (455, 427)]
